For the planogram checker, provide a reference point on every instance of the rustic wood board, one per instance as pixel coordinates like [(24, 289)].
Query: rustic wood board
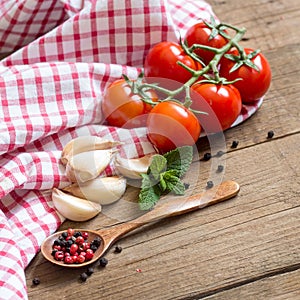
[(276, 287), (244, 239)]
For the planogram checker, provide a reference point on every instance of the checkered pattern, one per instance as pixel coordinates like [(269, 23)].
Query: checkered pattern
[(65, 54)]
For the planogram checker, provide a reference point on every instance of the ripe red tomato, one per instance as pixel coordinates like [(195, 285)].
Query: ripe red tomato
[(161, 61), (171, 125), (122, 108), (200, 34), (225, 101), (254, 84)]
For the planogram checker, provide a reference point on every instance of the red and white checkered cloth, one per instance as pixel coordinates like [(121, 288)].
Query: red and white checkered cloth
[(65, 54)]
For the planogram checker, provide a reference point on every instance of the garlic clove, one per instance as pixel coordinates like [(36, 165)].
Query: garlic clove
[(133, 167), (74, 208), (88, 165), (84, 144), (102, 190)]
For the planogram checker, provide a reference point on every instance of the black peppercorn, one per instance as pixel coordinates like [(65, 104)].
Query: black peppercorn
[(69, 243), (220, 168), (57, 242), (36, 281), (118, 249), (64, 235), (234, 144), (83, 276), (93, 247), (209, 184), (89, 271), (103, 262), (270, 134), (220, 153), (186, 186), (77, 234), (96, 242), (207, 156)]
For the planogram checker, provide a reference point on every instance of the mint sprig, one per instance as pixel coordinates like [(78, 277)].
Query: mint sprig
[(164, 176)]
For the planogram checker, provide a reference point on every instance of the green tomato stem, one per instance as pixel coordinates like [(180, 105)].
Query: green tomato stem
[(212, 66)]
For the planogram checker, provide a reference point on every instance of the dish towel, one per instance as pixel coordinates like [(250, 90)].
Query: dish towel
[(64, 54)]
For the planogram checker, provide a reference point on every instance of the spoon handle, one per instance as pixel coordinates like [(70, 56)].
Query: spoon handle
[(182, 205), (177, 206)]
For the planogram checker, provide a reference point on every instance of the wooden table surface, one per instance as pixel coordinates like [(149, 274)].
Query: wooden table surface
[(245, 248)]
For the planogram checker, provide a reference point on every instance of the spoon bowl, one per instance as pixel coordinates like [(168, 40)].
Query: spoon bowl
[(46, 248), (174, 207)]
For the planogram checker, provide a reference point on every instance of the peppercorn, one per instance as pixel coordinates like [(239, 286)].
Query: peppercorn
[(90, 271), (93, 247), (77, 234), (186, 186), (209, 184), (69, 243), (96, 242), (118, 249), (270, 134), (57, 242), (36, 281), (220, 153), (207, 156), (234, 144), (103, 262), (83, 276), (64, 235), (220, 168)]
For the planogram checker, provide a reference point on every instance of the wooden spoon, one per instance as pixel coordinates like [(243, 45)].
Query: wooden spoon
[(178, 206)]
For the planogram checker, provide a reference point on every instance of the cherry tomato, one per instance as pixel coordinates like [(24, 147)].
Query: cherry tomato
[(161, 61), (200, 33), (225, 101), (254, 84), (171, 125), (122, 108)]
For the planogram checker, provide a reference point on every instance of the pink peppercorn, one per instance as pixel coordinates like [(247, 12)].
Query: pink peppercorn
[(89, 254), (59, 255), (68, 260), (85, 235), (79, 240), (73, 249), (80, 259)]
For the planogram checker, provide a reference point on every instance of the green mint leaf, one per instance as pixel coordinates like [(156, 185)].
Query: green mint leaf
[(174, 184), (179, 159), (163, 176), (162, 183), (149, 193), (158, 166), (146, 181)]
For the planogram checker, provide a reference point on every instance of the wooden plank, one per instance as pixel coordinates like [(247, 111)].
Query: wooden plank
[(277, 287), (245, 238), (269, 26)]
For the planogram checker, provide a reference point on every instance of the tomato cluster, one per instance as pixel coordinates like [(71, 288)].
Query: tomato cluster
[(215, 73)]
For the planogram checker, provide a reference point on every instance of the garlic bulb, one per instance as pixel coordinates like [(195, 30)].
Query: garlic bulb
[(84, 144), (133, 167), (88, 165), (74, 208), (105, 190)]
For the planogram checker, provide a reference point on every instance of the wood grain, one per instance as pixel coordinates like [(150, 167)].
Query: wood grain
[(245, 248)]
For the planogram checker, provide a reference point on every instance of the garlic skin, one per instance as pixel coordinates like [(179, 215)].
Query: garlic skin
[(133, 167), (74, 208), (105, 190), (86, 166), (84, 144)]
